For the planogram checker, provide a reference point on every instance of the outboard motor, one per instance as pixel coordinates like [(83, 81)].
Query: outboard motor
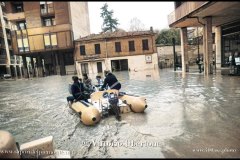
[(113, 101)]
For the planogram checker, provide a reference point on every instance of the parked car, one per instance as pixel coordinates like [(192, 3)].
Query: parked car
[(6, 76)]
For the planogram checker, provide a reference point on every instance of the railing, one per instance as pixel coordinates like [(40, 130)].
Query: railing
[(183, 10), (16, 16)]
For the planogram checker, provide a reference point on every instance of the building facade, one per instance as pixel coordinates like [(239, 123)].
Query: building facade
[(9, 63), (43, 34), (117, 51), (221, 18)]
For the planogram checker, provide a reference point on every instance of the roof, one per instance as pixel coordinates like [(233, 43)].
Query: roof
[(116, 34)]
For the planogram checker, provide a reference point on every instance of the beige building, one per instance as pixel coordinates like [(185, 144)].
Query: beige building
[(221, 18), (43, 33), (117, 51)]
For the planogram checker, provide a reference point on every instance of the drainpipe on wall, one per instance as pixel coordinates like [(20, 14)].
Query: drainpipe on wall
[(106, 63)]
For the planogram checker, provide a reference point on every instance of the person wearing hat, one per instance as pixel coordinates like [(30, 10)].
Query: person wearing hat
[(111, 81)]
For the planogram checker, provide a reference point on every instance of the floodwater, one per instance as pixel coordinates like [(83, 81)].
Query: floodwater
[(188, 116)]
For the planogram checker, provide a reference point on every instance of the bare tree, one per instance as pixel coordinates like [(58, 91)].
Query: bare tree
[(136, 25)]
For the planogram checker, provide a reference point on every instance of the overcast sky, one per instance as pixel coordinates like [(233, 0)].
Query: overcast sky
[(149, 13)]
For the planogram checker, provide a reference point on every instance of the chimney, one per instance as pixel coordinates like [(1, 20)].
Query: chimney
[(151, 29)]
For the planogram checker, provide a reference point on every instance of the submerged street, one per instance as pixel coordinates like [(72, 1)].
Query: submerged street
[(191, 116)]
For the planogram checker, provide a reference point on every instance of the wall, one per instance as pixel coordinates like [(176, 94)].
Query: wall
[(135, 64), (90, 48), (92, 67), (165, 54), (70, 69), (32, 14), (62, 13), (79, 19)]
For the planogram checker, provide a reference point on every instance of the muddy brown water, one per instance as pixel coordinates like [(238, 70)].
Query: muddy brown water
[(187, 116)]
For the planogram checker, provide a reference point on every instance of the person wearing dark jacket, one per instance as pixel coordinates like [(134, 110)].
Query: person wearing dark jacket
[(77, 90), (111, 81)]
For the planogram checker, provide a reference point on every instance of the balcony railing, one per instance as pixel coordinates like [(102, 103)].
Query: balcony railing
[(183, 10), (16, 16)]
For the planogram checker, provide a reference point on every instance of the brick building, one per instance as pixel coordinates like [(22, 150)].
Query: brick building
[(116, 51), (44, 33)]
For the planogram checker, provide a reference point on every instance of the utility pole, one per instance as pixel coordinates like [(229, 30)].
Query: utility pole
[(174, 54), (8, 61), (106, 60), (198, 43)]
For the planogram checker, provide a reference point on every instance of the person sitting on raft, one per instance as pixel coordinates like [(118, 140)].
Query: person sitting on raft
[(77, 90), (99, 81), (87, 83), (111, 81)]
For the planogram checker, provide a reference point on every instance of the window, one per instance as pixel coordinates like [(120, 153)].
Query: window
[(50, 40), (145, 44), (22, 41), (20, 45), (97, 49), (54, 40), (117, 47), (99, 67), (82, 50), (131, 46), (18, 7), (48, 21), (23, 45), (47, 41), (46, 7), (21, 25)]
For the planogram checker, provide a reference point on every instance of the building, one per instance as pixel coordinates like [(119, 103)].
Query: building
[(221, 18), (43, 34), (116, 51), (9, 63), (166, 57)]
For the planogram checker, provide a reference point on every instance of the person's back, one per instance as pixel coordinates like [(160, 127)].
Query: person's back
[(111, 81), (77, 90)]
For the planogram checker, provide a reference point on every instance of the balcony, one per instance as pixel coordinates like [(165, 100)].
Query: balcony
[(183, 10), (16, 16)]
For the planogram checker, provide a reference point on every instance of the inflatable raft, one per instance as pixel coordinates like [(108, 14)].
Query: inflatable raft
[(101, 104)]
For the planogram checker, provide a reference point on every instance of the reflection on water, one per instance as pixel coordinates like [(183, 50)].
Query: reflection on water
[(185, 113)]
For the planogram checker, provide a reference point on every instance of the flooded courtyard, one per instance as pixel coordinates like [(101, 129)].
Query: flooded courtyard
[(188, 116)]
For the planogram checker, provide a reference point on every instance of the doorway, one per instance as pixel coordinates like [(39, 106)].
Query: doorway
[(119, 65), (84, 68)]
